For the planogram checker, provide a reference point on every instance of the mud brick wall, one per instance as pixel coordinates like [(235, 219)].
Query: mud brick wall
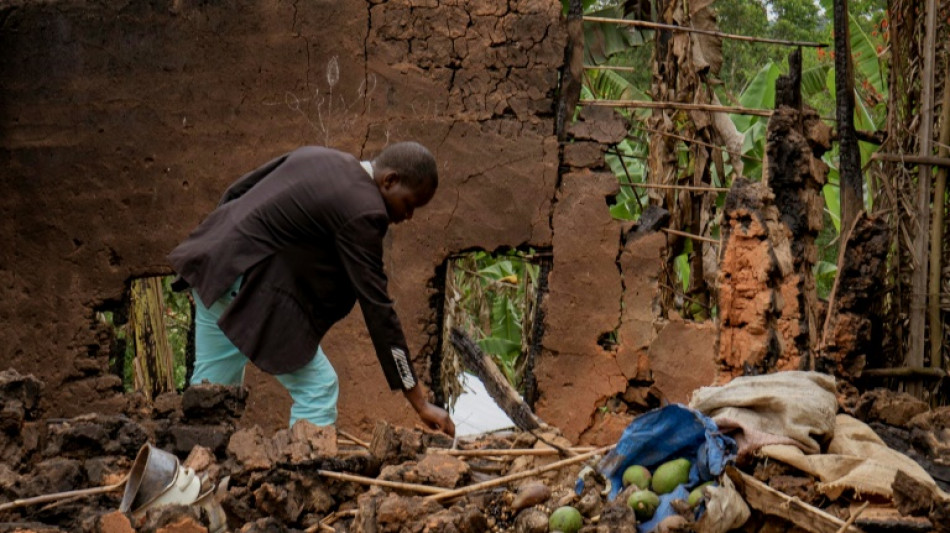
[(122, 123), (606, 351)]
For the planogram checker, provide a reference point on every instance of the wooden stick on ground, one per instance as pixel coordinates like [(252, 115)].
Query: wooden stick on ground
[(382, 483), (520, 475), (60, 495), (854, 516), (506, 451), (353, 438), (764, 498)]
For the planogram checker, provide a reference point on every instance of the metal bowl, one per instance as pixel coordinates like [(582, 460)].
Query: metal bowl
[(153, 472)]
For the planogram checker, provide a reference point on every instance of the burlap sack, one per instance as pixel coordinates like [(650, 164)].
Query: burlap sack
[(794, 408), (857, 459)]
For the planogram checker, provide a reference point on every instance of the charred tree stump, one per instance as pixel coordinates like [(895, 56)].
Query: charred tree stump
[(497, 386)]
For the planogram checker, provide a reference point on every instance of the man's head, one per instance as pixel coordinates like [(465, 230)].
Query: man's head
[(407, 177)]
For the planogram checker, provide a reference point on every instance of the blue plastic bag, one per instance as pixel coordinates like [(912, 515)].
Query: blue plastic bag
[(662, 435)]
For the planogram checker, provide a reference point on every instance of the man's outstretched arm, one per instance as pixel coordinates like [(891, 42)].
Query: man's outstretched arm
[(433, 416)]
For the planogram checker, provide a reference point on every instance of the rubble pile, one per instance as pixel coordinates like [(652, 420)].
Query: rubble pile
[(313, 479)]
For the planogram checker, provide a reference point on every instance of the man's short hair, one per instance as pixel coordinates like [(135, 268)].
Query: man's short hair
[(413, 162)]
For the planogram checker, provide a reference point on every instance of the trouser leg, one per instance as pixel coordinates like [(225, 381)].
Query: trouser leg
[(314, 389), (217, 360)]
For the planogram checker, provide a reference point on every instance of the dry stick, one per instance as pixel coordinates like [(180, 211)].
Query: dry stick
[(691, 188), (834, 289), (690, 235), (673, 27), (612, 67), (356, 440), (561, 449), (646, 104), (520, 475), (60, 495), (505, 452), (912, 159), (324, 525), (382, 483), (854, 516), (683, 296), (697, 141)]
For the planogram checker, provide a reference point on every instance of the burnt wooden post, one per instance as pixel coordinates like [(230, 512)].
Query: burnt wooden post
[(851, 180), (497, 386), (573, 71)]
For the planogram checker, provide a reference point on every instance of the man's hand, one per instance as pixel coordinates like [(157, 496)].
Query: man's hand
[(434, 417)]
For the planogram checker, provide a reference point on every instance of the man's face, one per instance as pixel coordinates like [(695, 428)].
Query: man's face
[(402, 201)]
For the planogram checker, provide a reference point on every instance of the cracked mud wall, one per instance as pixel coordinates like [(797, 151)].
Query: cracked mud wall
[(122, 123), (120, 126)]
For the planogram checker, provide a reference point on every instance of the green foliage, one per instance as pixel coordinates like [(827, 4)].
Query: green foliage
[(492, 297), (627, 163), (177, 326)]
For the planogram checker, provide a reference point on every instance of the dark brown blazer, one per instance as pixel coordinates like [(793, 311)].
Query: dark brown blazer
[(306, 232)]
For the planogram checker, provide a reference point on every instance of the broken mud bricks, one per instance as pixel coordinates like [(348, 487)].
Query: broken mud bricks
[(19, 411)]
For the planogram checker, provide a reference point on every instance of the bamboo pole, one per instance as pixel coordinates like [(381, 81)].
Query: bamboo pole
[(612, 67), (918, 295), (520, 475), (912, 159), (356, 440), (519, 452), (645, 104), (697, 141), (673, 27), (381, 482), (690, 235), (936, 233), (692, 188)]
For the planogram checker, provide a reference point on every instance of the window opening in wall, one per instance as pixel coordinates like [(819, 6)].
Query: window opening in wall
[(492, 298), (153, 347)]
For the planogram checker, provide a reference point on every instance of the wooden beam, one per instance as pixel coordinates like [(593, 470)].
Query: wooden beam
[(673, 27), (645, 104), (767, 500), (852, 179)]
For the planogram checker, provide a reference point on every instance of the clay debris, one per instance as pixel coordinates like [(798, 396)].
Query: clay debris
[(311, 479)]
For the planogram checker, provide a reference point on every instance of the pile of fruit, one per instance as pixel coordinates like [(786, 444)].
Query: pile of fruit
[(642, 491)]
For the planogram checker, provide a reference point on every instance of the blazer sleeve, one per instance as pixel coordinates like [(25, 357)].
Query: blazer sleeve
[(360, 247)]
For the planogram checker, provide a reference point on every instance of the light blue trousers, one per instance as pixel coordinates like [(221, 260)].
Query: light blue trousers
[(313, 388)]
